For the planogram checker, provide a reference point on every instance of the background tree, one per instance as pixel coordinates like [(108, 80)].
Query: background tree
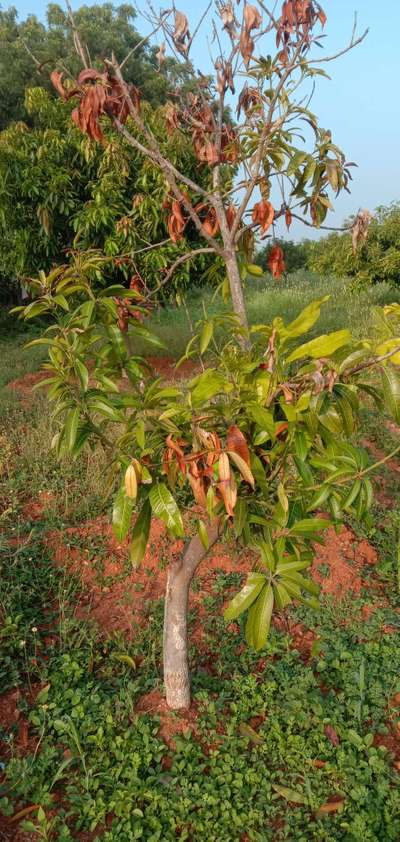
[(258, 440), (60, 190), (105, 29), (377, 260)]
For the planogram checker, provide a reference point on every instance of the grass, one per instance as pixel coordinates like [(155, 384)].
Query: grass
[(260, 764), (267, 299)]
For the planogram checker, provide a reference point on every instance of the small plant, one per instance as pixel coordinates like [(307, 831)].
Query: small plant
[(259, 440)]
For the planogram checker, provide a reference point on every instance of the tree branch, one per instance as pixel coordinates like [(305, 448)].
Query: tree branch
[(354, 42), (76, 36), (182, 259), (374, 361), (311, 225)]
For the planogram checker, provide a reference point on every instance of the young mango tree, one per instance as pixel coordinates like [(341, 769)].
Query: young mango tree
[(257, 444)]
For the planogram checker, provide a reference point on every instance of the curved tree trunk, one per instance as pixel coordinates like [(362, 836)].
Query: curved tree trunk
[(180, 575)]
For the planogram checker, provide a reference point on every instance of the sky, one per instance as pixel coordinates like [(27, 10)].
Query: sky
[(360, 104)]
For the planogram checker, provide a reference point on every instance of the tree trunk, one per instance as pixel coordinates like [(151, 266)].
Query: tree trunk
[(180, 574), (231, 263), (236, 287)]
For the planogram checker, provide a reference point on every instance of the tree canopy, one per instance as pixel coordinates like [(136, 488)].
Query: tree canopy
[(105, 28), (60, 190), (377, 260)]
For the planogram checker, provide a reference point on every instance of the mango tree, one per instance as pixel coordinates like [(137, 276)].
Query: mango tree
[(257, 444)]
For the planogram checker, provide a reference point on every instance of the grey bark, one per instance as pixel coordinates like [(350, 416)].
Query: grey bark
[(180, 575)]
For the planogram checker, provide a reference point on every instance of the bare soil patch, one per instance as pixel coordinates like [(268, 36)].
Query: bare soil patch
[(117, 598)]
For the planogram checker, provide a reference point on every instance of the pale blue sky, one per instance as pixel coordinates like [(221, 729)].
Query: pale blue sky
[(360, 104)]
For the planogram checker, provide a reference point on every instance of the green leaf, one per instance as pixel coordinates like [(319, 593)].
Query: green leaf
[(253, 269), (352, 495), (391, 392), (249, 732), (206, 336), (295, 564), (106, 408), (308, 585), (244, 599), (82, 437), (125, 659), (282, 598), (71, 428), (211, 502), (322, 346), (258, 471), (290, 794), (296, 160), (36, 309), (203, 534), (165, 507), (304, 470), (82, 373), (210, 383), (259, 619), (122, 513), (140, 434), (62, 301), (319, 498), (140, 535), (309, 526), (305, 320), (240, 516), (147, 335), (262, 417), (332, 421)]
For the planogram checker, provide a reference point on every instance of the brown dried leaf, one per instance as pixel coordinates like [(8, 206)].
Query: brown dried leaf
[(228, 19), (181, 32), (263, 215), (171, 118), (230, 213), (330, 807), (332, 735), (56, 80), (229, 146), (251, 20), (176, 222), (160, 55), (359, 232), (90, 75), (249, 98), (236, 441), (276, 262)]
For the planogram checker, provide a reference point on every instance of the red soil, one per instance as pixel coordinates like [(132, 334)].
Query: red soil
[(171, 722), (162, 366), (118, 604), (24, 386), (165, 367), (345, 558), (117, 600)]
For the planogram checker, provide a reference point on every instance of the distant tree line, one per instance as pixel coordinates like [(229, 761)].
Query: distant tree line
[(378, 259)]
